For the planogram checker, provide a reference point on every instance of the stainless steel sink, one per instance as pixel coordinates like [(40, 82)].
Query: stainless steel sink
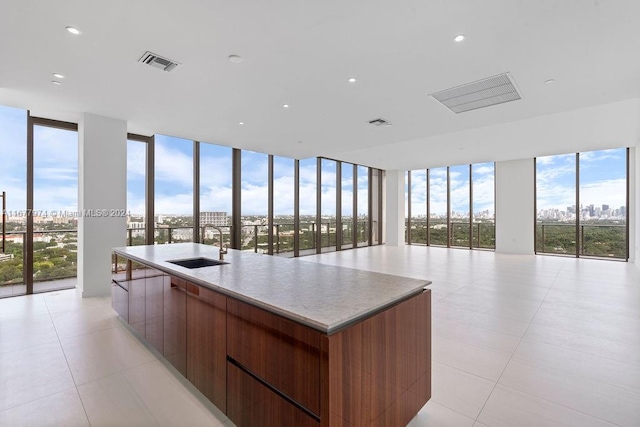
[(197, 262)]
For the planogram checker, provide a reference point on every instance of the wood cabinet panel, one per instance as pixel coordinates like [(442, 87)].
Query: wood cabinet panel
[(175, 322), (154, 308), (253, 404), (281, 352), (137, 304), (378, 371), (206, 343), (120, 300)]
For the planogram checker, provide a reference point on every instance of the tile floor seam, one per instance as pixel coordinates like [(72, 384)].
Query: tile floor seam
[(451, 409), (67, 362), (473, 345), (138, 395), (586, 354), (637, 347), (465, 371), (559, 404), (516, 349), (35, 400), (536, 365)]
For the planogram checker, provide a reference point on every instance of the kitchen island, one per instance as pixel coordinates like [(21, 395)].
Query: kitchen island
[(273, 341)]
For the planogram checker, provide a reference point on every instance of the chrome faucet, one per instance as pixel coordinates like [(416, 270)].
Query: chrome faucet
[(223, 250)]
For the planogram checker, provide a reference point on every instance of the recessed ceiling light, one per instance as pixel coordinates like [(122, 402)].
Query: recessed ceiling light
[(73, 30), (352, 80), (550, 81), (459, 37), (58, 76), (285, 105), (240, 123), (55, 82), (236, 59)]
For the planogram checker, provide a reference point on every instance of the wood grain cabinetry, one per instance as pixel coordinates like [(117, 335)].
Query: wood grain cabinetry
[(378, 371), (251, 403), (154, 308), (120, 295), (175, 322), (207, 343), (283, 353), (137, 302)]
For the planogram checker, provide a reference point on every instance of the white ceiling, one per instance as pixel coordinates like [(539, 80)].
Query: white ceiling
[(302, 53)]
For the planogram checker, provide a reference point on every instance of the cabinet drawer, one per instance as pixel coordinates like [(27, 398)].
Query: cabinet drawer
[(206, 343), (120, 300), (250, 403), (283, 353)]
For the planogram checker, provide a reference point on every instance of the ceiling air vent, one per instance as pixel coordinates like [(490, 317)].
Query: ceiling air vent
[(158, 61), (379, 122), (482, 93)]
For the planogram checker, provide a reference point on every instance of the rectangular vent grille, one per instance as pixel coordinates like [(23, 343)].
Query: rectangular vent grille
[(158, 61), (480, 94)]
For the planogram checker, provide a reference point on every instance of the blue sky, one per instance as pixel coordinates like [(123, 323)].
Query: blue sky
[(483, 190), (55, 164), (174, 181), (602, 179), (602, 175)]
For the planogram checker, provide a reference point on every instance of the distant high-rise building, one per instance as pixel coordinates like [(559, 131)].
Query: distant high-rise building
[(213, 218)]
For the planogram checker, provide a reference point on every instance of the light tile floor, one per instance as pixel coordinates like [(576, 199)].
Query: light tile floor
[(517, 341)]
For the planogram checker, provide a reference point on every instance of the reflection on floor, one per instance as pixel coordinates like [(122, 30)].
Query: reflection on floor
[(517, 341)]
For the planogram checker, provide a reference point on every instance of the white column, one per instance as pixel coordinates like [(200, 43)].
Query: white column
[(514, 207), (102, 199), (394, 208)]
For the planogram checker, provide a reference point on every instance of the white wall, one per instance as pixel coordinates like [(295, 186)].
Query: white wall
[(394, 208), (515, 207), (102, 170)]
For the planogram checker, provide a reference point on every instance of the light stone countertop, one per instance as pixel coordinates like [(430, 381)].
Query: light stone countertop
[(326, 298)]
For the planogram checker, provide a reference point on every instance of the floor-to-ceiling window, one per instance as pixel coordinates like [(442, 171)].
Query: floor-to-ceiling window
[(347, 215), (328, 199), (136, 192), (581, 204), (451, 206), (459, 207), (283, 206), (556, 208), (55, 206), (438, 202), (173, 189), (255, 201), (39, 185), (13, 184), (603, 198), (375, 215), (418, 208), (215, 193), (362, 192), (483, 203), (308, 183)]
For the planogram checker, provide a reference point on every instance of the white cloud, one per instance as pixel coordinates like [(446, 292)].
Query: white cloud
[(172, 165)]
